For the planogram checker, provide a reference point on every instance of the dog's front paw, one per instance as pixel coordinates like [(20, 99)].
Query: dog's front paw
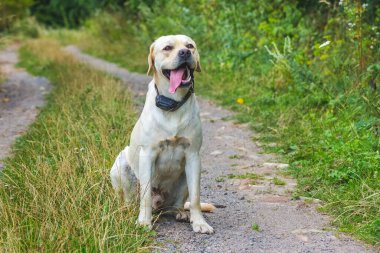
[(145, 223), (202, 227)]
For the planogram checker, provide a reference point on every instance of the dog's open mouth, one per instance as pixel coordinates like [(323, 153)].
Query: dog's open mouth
[(179, 77)]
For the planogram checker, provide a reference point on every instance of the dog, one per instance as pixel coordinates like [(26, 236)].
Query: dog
[(162, 163)]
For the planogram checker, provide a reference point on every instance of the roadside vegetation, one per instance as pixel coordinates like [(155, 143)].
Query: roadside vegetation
[(306, 85), (55, 194), (304, 74)]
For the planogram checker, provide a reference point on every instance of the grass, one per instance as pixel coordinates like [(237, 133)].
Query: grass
[(2, 77), (55, 192), (247, 175), (234, 156), (4, 41), (219, 179), (325, 125), (277, 181), (99, 46), (255, 227)]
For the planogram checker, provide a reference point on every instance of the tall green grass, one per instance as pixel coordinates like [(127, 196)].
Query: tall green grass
[(55, 192)]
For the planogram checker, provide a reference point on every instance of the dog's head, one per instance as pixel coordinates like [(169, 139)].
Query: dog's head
[(173, 59)]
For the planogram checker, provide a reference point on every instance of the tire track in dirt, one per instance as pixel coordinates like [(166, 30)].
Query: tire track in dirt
[(257, 215), (21, 96)]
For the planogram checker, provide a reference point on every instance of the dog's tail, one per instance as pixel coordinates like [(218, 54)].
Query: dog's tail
[(205, 207)]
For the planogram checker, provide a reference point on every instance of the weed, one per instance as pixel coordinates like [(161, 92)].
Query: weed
[(219, 179), (255, 227), (236, 156), (308, 200), (247, 175), (2, 77), (277, 181)]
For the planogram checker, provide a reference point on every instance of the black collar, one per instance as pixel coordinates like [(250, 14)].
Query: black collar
[(171, 105)]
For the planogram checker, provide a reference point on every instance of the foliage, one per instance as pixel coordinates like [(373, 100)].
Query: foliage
[(12, 10), (26, 28), (55, 194), (255, 227), (247, 175), (53, 13), (277, 181), (65, 13)]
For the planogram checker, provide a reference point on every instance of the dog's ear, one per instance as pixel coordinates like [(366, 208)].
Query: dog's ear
[(198, 67), (198, 59), (151, 59)]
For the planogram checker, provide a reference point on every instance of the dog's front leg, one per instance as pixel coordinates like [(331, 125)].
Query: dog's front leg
[(146, 164), (193, 173)]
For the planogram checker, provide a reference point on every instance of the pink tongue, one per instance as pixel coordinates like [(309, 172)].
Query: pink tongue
[(175, 79)]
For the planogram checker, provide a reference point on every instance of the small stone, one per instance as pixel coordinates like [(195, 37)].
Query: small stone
[(312, 200), (306, 231), (243, 149), (216, 153), (221, 129), (303, 238), (245, 182), (277, 165), (244, 187), (205, 114)]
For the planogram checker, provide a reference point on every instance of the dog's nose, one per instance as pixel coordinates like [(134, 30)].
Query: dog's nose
[(184, 53)]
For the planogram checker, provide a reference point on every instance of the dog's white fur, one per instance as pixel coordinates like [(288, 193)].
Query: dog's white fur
[(163, 158)]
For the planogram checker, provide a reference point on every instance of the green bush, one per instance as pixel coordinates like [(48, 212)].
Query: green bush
[(12, 10), (69, 14), (27, 27)]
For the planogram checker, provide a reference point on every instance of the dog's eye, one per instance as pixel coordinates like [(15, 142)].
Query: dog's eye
[(168, 48), (189, 46)]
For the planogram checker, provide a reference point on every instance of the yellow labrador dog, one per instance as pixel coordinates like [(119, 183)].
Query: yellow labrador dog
[(162, 162)]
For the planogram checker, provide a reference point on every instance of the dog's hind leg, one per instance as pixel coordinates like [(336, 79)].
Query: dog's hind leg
[(182, 194), (123, 178)]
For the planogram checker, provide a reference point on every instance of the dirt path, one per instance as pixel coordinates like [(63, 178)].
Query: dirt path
[(21, 95), (283, 225)]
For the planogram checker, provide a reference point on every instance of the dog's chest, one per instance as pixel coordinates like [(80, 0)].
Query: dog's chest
[(171, 156)]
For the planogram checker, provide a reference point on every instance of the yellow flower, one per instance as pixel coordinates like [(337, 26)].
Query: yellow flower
[(240, 101), (323, 57)]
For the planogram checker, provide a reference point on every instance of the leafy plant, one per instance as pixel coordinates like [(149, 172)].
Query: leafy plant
[(69, 14), (277, 181), (247, 175), (255, 227), (11, 11)]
